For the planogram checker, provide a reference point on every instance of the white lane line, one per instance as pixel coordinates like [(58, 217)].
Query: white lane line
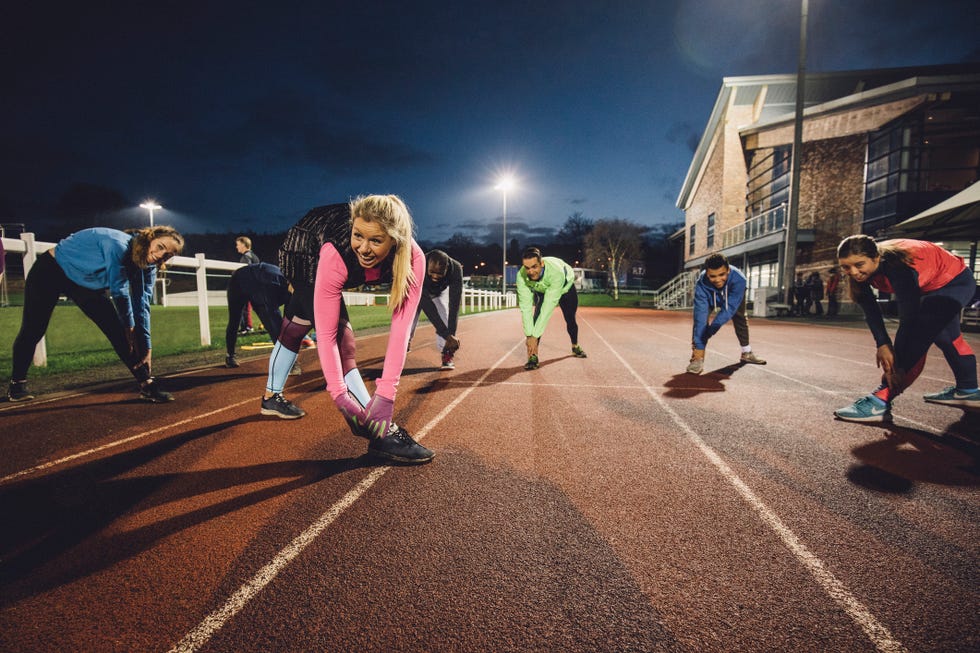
[(837, 393), (138, 436), (211, 624), (875, 630)]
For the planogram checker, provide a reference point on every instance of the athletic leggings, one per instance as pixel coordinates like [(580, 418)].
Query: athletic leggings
[(238, 299), (936, 323), (44, 284), (568, 305)]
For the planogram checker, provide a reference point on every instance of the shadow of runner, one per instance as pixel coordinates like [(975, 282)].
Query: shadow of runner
[(685, 385), (905, 456), (46, 517)]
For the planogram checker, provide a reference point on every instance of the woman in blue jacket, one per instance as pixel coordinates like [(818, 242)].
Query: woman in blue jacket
[(83, 267), (720, 287)]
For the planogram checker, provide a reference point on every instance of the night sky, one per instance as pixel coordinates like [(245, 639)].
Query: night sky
[(241, 116)]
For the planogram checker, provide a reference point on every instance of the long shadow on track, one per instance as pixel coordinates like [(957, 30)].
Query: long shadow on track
[(46, 517)]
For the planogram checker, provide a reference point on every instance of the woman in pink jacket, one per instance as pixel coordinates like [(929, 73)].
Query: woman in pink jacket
[(339, 246)]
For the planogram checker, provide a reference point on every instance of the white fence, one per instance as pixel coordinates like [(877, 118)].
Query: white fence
[(473, 300)]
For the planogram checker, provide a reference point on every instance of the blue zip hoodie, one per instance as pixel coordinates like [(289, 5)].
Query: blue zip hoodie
[(99, 258), (707, 298)]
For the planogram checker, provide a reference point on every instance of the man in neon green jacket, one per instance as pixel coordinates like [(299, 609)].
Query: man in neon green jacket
[(542, 284)]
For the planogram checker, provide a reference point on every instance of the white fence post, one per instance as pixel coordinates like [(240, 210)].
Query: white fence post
[(30, 257), (202, 301)]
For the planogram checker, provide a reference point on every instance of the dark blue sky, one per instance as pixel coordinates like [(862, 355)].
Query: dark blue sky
[(241, 116)]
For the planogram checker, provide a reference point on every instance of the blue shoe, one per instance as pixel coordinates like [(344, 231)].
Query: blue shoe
[(865, 409), (953, 397)]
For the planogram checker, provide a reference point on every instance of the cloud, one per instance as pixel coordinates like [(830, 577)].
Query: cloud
[(290, 129), (578, 200)]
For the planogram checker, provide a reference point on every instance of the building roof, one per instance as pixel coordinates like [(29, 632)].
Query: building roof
[(823, 93)]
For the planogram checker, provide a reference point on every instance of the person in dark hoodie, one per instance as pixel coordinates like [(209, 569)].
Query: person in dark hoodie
[(719, 292), (442, 294)]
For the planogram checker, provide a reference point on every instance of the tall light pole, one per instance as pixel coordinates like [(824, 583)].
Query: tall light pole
[(789, 258), (504, 184), (151, 206)]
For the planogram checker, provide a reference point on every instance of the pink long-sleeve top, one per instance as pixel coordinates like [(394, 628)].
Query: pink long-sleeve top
[(331, 277)]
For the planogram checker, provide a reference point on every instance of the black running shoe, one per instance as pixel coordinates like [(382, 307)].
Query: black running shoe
[(532, 363), (578, 352), (399, 446), (152, 393), (17, 391), (231, 361), (281, 407)]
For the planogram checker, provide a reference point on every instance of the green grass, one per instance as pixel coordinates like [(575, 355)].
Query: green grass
[(75, 343)]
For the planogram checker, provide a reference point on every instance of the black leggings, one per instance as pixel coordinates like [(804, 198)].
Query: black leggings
[(44, 284), (568, 305), (238, 298)]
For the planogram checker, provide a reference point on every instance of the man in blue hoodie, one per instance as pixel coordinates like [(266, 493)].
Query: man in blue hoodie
[(719, 291)]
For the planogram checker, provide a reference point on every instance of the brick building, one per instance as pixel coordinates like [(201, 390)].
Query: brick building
[(879, 146)]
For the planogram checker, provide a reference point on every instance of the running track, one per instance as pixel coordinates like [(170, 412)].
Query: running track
[(607, 504)]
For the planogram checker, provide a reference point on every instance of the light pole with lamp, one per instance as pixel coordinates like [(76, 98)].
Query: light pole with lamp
[(151, 206), (504, 184)]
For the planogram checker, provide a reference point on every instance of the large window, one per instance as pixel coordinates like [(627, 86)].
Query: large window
[(690, 241), (769, 176), (920, 160), (711, 231)]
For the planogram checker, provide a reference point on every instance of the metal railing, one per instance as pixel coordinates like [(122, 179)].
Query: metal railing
[(677, 293), (28, 248), (761, 225)]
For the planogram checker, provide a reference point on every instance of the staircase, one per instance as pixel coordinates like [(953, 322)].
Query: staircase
[(678, 293)]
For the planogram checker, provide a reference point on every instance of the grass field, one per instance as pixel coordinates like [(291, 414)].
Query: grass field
[(75, 344)]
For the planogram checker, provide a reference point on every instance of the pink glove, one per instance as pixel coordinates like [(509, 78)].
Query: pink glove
[(379, 415), (353, 414)]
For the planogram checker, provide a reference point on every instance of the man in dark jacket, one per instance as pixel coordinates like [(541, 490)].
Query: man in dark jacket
[(442, 292), (266, 289)]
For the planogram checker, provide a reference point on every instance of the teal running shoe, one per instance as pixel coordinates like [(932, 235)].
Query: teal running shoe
[(953, 397), (865, 409)]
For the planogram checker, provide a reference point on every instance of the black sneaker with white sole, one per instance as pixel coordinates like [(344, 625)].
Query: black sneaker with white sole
[(399, 446), (281, 407), (17, 391)]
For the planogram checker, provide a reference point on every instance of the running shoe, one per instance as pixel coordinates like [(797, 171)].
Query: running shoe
[(532, 363), (579, 353), (865, 409), (281, 407), (17, 391), (749, 357), (399, 446), (231, 361), (696, 366), (152, 393), (447, 362), (953, 397)]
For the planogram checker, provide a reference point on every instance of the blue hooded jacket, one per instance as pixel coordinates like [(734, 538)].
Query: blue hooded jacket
[(707, 298)]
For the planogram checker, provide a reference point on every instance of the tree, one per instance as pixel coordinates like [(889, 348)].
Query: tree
[(612, 245), (569, 243)]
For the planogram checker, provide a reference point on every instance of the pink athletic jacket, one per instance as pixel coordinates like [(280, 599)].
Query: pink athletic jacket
[(331, 276)]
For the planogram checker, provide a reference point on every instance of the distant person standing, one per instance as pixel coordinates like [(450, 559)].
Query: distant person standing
[(814, 287), (719, 292), (833, 292), (543, 284), (109, 274), (244, 246), (800, 294), (442, 293)]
